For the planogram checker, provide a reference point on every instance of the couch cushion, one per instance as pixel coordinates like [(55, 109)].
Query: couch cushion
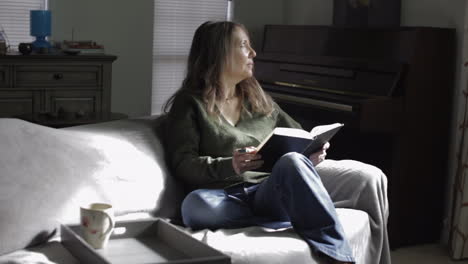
[(254, 244), (136, 154), (46, 174)]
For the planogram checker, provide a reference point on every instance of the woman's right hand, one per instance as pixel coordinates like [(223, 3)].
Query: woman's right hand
[(320, 155), (246, 159)]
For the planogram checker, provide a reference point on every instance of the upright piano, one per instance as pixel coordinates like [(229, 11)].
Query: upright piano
[(392, 88)]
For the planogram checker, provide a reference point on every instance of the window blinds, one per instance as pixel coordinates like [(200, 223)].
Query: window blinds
[(14, 18), (175, 22)]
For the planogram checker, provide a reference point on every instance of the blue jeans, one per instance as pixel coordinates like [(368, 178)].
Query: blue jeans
[(293, 195)]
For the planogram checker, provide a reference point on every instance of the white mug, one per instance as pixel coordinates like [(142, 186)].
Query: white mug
[(97, 223)]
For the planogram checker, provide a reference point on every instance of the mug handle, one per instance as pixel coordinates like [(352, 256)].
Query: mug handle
[(111, 225)]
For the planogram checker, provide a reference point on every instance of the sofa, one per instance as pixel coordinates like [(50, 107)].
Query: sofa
[(47, 173)]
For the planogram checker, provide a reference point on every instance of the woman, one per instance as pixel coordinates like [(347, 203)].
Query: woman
[(221, 109)]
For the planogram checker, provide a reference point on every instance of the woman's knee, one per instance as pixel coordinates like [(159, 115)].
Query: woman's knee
[(195, 199), (213, 209), (291, 160), (197, 208), (293, 166)]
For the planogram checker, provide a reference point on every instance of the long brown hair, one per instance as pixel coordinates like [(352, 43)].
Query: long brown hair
[(210, 51)]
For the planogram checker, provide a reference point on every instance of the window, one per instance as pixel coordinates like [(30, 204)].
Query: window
[(175, 21), (14, 18)]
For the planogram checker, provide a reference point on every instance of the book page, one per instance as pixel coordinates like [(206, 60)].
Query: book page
[(292, 132), (322, 128)]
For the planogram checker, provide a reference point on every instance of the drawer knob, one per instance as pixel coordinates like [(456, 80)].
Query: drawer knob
[(58, 76)]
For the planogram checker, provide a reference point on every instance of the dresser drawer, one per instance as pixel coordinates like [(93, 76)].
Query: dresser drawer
[(73, 104), (4, 76), (45, 76), (13, 104)]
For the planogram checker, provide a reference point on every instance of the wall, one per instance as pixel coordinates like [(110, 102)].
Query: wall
[(254, 15), (436, 13), (125, 29), (311, 12)]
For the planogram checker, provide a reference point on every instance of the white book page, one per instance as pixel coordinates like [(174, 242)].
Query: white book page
[(322, 128), (292, 132)]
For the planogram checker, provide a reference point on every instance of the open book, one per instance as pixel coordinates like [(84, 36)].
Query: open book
[(283, 140)]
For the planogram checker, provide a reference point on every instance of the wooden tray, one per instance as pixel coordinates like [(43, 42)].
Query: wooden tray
[(144, 241)]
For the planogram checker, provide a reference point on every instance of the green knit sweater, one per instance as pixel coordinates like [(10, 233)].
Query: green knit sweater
[(199, 146)]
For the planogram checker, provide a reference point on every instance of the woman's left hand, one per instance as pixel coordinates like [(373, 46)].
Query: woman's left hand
[(319, 156)]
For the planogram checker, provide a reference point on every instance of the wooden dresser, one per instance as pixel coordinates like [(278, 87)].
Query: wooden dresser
[(56, 90)]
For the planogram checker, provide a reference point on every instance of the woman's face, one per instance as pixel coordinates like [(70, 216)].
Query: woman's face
[(240, 64)]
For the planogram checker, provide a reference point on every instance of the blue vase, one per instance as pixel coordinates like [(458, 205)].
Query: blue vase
[(40, 27)]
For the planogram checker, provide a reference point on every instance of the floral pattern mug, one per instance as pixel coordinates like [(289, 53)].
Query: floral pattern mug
[(97, 223)]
